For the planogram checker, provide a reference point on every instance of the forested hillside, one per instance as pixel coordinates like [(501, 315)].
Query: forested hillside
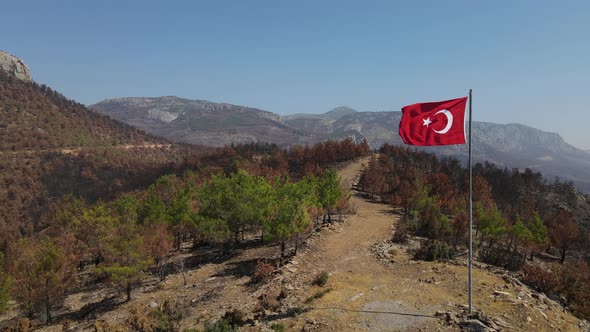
[(120, 227), (51, 146), (36, 117)]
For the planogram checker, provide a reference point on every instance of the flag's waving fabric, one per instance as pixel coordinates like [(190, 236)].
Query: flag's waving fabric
[(434, 123)]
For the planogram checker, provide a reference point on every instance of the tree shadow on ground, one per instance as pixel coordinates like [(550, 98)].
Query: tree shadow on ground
[(293, 312), (363, 195), (92, 310), (239, 269), (245, 268)]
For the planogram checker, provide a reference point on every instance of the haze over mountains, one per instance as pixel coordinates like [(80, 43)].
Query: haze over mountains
[(217, 124)]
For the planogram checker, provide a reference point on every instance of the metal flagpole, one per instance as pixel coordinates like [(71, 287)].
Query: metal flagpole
[(470, 213)]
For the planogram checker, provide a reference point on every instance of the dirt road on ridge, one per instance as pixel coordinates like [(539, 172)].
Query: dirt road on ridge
[(400, 294)]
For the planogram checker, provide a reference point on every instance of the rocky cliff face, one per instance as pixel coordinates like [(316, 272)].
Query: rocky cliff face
[(14, 66)]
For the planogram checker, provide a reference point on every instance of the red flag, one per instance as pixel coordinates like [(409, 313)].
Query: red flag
[(435, 123)]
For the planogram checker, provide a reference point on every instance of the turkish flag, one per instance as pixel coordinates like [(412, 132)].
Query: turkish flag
[(434, 123)]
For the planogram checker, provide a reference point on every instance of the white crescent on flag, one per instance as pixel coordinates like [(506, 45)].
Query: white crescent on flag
[(449, 116)]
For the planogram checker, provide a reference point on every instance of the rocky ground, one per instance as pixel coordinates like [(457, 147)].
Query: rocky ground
[(373, 285)]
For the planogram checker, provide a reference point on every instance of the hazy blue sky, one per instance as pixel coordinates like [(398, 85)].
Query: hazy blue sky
[(527, 61)]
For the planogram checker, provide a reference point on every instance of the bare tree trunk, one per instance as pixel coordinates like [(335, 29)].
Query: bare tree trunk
[(47, 310), (177, 241), (181, 267), (282, 259), (128, 291), (162, 272)]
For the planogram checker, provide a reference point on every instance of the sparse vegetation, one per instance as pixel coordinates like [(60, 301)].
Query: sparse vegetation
[(541, 279), (277, 327), (321, 279), (263, 270), (296, 311), (514, 217), (401, 233), (164, 318), (5, 286), (435, 251), (219, 326), (234, 317), (269, 300)]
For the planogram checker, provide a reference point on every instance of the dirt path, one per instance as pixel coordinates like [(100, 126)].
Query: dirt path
[(361, 296), (397, 293), (76, 150)]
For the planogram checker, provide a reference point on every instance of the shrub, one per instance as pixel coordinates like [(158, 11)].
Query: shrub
[(435, 251), (168, 316), (575, 286), (321, 279), (542, 280), (235, 317), (263, 270), (401, 233), (501, 255), (270, 300), (165, 318), (277, 327), (5, 286), (102, 326), (138, 319), (220, 326), (296, 311)]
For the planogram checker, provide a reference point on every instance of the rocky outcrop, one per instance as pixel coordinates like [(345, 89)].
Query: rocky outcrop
[(14, 66)]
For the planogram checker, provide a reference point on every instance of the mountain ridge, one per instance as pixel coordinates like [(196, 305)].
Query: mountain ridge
[(200, 121), (334, 114), (512, 145)]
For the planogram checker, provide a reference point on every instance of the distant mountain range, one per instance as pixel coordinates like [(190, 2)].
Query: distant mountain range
[(207, 123), (202, 122)]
